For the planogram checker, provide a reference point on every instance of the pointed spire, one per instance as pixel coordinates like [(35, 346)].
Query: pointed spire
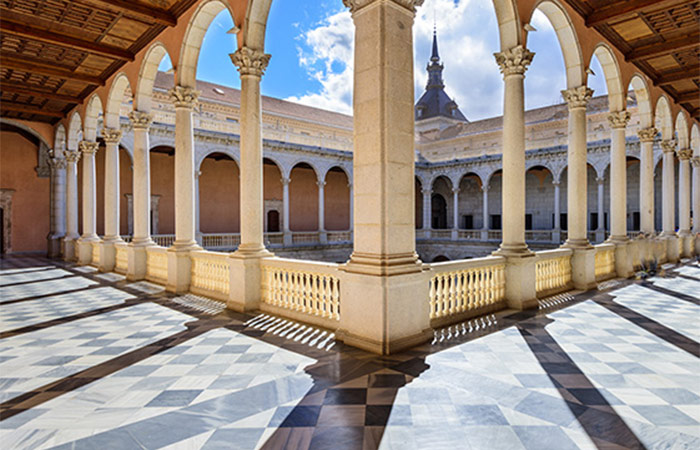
[(435, 57)]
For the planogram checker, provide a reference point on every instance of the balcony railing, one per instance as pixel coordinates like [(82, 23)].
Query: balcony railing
[(210, 274), (304, 237), (339, 236), (163, 240), (157, 265), (121, 258), (221, 241), (463, 289), (553, 272), (604, 261)]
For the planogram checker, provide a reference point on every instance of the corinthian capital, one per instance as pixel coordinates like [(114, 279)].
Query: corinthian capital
[(647, 134), (514, 61), (577, 97), (184, 97), (695, 161), (619, 119), (87, 147), (58, 163), (356, 5), (250, 62), (668, 145), (111, 135), (140, 120), (684, 154), (72, 156)]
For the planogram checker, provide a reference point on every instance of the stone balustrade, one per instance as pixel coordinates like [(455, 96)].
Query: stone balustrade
[(339, 236), (553, 272), (441, 234), (539, 235), (469, 234), (495, 235), (157, 265), (210, 274), (467, 288), (163, 240), (221, 241), (121, 258), (302, 290), (304, 237), (95, 253), (276, 238), (604, 262)]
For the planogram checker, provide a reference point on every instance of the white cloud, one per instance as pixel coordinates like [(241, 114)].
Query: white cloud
[(467, 37)]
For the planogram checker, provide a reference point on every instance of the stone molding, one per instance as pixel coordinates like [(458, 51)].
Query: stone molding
[(184, 97), (72, 156), (647, 134), (695, 161), (684, 154), (577, 97), (250, 62), (58, 163), (87, 147), (619, 119), (514, 61), (111, 135), (6, 205), (285, 181), (320, 183), (668, 145), (140, 120), (356, 5)]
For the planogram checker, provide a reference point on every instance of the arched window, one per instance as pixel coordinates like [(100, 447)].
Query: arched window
[(439, 212), (273, 221)]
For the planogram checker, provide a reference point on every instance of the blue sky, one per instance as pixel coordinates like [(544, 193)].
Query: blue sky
[(311, 48)]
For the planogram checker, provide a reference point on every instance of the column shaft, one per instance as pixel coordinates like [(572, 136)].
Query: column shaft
[(618, 176), (72, 194), (455, 209), (142, 178), (557, 206), (696, 194), (89, 207), (285, 204), (485, 208), (321, 206), (185, 100), (426, 210), (684, 156), (600, 226), (111, 188), (668, 188), (646, 179)]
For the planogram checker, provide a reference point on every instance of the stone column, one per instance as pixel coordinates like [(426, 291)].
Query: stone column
[(245, 262), (179, 264), (520, 261), (58, 166), (141, 240), (600, 226), (583, 259), (351, 208), (197, 201), (89, 235), (427, 212), (668, 200), (383, 290), (618, 194), (69, 242), (321, 212), (287, 235), (455, 213), (684, 156), (485, 212), (646, 180), (107, 261), (556, 233), (695, 161)]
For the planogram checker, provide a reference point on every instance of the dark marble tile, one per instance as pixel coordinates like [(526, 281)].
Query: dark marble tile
[(386, 380), (295, 416), (345, 396), (337, 438)]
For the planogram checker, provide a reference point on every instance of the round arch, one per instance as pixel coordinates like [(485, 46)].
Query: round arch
[(682, 132), (224, 151), (93, 111), (219, 193), (337, 201), (303, 197), (662, 118), (75, 131), (143, 97), (120, 86), (613, 79), (59, 144), (641, 92)]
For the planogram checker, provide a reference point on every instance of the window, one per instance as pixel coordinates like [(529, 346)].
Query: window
[(528, 221), (468, 222), (495, 222)]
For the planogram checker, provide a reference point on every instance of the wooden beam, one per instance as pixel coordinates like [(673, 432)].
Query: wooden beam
[(13, 62), (26, 90), (622, 8), (688, 96), (30, 110), (678, 75), (140, 11), (664, 48), (38, 34)]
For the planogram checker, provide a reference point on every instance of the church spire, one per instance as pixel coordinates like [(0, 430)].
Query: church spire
[(435, 57), (434, 67)]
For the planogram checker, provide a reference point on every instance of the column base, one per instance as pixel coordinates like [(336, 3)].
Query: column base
[(108, 254), (54, 245), (582, 264), (686, 243), (623, 260), (521, 291), (69, 248), (287, 238), (245, 279), (136, 252), (323, 237), (384, 314), (85, 250), (556, 236), (673, 251), (513, 250), (384, 265), (180, 267)]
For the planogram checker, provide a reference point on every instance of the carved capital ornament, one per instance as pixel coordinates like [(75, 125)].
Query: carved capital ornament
[(695, 161), (58, 163), (140, 120), (668, 146), (619, 119), (577, 97), (250, 62), (356, 5), (111, 135), (72, 156), (514, 61), (87, 147), (684, 154), (647, 134), (184, 97)]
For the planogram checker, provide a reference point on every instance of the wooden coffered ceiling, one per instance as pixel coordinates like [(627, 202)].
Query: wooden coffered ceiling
[(54, 53), (660, 37)]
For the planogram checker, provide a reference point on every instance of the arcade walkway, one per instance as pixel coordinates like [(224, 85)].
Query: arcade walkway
[(89, 360)]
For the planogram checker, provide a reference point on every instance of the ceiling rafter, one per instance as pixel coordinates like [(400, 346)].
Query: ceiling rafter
[(622, 8), (140, 11), (5, 106), (12, 62), (664, 48), (38, 34), (24, 89)]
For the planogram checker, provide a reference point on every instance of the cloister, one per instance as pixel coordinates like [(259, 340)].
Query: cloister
[(388, 229)]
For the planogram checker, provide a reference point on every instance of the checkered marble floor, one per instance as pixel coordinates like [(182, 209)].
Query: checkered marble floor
[(612, 369)]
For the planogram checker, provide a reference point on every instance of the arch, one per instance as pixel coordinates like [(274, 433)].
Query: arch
[(29, 129), (147, 76), (641, 91), (495, 171), (302, 162), (225, 151), (695, 140), (568, 41), (186, 74), (256, 24), (471, 174), (75, 133), (662, 117), (439, 176), (336, 199), (303, 197), (274, 161), (682, 130), (613, 79), (509, 28), (340, 167), (438, 211), (59, 140), (219, 193), (93, 111), (115, 99)]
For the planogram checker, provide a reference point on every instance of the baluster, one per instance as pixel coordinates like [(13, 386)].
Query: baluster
[(431, 297)]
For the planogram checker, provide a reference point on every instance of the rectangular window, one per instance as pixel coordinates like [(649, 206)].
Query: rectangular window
[(468, 222), (528, 221), (563, 221), (593, 224), (495, 221)]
